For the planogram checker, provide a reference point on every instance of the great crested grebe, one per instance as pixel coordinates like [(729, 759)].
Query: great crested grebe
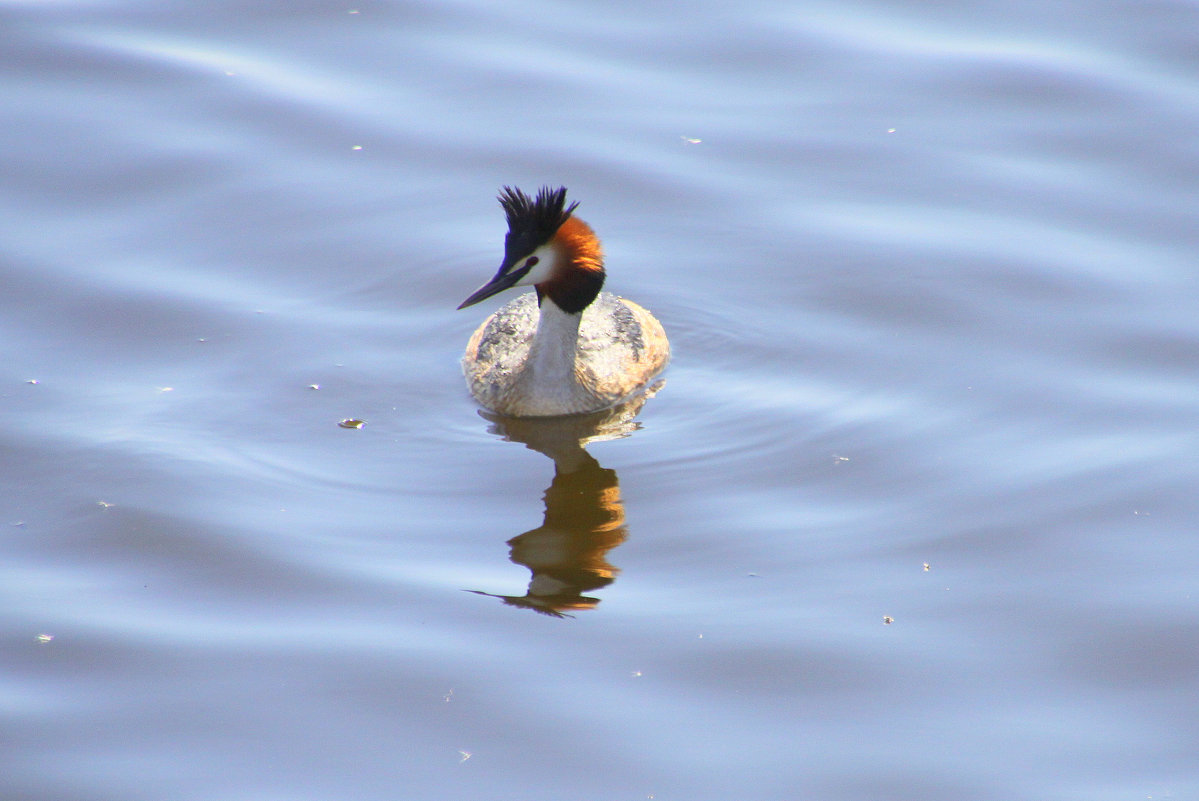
[(568, 348)]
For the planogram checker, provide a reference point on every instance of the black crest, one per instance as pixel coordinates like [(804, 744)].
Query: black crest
[(532, 222)]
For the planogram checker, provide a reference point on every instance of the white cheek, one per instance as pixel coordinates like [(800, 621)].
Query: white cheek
[(543, 269)]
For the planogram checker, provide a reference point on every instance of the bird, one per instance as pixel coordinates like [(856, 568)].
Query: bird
[(567, 348)]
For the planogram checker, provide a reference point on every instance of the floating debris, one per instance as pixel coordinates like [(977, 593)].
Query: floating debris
[(44, 638), (888, 620), (352, 423)]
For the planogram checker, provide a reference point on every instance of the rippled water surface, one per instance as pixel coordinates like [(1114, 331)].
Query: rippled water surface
[(913, 516)]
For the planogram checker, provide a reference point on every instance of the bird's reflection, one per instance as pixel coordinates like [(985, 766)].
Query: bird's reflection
[(584, 516)]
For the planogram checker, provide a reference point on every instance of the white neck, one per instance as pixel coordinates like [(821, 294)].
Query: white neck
[(552, 354)]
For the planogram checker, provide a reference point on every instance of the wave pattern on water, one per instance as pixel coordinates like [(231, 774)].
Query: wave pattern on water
[(928, 275)]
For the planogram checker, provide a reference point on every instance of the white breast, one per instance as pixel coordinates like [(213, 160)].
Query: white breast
[(524, 361)]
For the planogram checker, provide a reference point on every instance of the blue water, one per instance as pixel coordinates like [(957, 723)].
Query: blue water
[(929, 276)]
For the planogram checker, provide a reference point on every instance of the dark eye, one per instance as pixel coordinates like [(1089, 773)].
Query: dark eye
[(532, 262)]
